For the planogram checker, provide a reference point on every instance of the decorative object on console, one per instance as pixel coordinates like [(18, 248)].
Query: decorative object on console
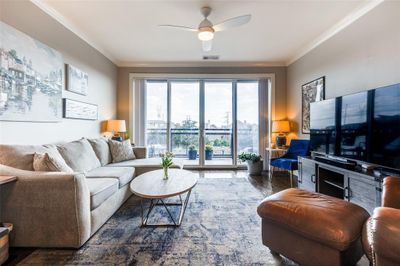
[(77, 81), (166, 162), (121, 151), (116, 127), (79, 110), (253, 161), (281, 127), (313, 91), (30, 80)]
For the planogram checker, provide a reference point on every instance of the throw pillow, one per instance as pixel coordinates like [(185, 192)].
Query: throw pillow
[(100, 147), (49, 163), (121, 151)]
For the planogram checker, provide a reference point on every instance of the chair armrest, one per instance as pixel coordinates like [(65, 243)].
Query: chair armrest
[(140, 152), (391, 192), (48, 209), (381, 239)]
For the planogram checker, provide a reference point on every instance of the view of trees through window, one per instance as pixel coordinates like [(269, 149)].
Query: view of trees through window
[(185, 110)]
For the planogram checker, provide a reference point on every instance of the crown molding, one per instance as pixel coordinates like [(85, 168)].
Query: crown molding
[(202, 64), (342, 24), (70, 26)]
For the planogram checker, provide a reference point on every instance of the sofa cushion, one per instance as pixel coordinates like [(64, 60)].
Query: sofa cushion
[(123, 174), (145, 163), (50, 163), (21, 156), (79, 155), (101, 189), (101, 149), (121, 151)]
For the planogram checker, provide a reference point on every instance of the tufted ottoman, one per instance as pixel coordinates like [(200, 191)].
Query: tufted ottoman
[(312, 228)]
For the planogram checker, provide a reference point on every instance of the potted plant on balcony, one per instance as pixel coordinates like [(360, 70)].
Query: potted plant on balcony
[(209, 152), (192, 154), (253, 161)]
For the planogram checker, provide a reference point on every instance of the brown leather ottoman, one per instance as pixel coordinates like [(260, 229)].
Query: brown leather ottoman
[(312, 228)]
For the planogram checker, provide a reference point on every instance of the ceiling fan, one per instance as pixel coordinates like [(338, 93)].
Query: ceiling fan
[(206, 29)]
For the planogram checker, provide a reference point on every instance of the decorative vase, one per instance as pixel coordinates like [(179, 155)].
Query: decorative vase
[(165, 173)]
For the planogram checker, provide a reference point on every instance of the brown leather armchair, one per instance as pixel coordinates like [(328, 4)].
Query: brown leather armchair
[(381, 234)]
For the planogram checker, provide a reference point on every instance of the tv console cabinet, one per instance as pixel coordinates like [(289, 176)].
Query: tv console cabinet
[(360, 187)]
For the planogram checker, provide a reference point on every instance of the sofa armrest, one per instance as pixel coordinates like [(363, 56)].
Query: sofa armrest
[(381, 236), (48, 209), (140, 152), (391, 192)]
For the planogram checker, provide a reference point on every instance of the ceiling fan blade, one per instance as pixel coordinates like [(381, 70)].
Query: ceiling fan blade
[(207, 45), (178, 27), (232, 22)]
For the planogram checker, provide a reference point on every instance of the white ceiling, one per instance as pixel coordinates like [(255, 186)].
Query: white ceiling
[(280, 31)]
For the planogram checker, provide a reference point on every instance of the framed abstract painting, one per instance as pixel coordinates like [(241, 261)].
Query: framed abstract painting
[(31, 78), (79, 110), (77, 80), (312, 91)]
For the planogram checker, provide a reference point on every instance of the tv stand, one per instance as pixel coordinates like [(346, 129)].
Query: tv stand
[(363, 188)]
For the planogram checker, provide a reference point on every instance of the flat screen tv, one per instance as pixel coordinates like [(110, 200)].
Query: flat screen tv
[(364, 126), (354, 126), (385, 139), (323, 126)]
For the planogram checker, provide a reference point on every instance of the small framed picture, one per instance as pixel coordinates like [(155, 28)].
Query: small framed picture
[(79, 110), (77, 80), (312, 91)]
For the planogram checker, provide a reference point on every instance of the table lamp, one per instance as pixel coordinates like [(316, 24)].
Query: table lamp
[(281, 127), (117, 127)]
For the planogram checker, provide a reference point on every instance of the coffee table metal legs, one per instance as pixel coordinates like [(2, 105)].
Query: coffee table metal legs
[(161, 202)]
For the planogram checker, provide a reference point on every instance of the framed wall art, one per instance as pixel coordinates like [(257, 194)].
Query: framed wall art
[(31, 78), (74, 109), (312, 91), (77, 81)]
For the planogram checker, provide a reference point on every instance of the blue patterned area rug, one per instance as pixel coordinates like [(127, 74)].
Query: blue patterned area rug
[(220, 227)]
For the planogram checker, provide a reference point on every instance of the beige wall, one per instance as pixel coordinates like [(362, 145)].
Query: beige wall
[(26, 17), (123, 82), (363, 56)]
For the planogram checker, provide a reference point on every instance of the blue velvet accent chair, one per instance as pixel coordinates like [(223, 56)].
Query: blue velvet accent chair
[(289, 161)]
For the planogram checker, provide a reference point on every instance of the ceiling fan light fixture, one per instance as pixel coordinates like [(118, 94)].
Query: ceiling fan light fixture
[(205, 35)]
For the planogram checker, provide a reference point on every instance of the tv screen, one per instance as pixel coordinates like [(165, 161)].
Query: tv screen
[(323, 126), (385, 141), (354, 126)]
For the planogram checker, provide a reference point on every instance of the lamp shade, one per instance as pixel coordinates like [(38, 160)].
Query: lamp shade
[(281, 126), (116, 126)]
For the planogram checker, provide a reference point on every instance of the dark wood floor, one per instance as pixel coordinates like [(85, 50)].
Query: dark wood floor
[(262, 183)]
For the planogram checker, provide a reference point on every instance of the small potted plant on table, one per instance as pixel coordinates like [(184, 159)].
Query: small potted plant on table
[(209, 152), (192, 154), (166, 162), (253, 161)]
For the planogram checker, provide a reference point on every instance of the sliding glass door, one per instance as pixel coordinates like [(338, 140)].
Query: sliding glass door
[(218, 131), (185, 122), (156, 117), (203, 122)]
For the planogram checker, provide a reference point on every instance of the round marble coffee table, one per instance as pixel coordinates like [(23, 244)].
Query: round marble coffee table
[(151, 186)]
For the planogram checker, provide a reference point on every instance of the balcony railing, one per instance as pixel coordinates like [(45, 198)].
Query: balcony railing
[(181, 138)]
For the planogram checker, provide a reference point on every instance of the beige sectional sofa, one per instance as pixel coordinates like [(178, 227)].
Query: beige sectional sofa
[(59, 209)]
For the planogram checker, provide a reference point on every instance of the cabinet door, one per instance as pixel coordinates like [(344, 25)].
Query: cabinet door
[(306, 178), (362, 191)]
